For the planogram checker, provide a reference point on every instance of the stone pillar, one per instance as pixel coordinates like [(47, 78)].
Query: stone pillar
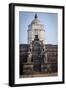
[(46, 57), (42, 67), (29, 54), (29, 57)]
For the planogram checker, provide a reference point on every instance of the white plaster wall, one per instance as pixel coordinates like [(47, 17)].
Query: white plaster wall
[(32, 33), (35, 30)]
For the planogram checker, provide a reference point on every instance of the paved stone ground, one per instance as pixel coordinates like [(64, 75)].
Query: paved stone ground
[(39, 75)]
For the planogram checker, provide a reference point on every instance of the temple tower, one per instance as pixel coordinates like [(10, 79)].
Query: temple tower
[(36, 40), (36, 28)]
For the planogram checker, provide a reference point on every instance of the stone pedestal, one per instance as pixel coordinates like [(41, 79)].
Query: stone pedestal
[(27, 69)]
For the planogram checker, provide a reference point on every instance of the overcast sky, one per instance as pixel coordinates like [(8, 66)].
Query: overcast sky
[(49, 20)]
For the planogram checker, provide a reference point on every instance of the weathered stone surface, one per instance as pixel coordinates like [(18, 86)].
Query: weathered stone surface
[(49, 67)]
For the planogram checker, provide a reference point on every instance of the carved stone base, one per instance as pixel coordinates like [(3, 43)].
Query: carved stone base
[(27, 69)]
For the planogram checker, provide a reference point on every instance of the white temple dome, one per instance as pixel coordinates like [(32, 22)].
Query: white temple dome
[(36, 20)]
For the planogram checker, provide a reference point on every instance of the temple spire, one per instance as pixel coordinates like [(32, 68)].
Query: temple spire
[(36, 16)]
